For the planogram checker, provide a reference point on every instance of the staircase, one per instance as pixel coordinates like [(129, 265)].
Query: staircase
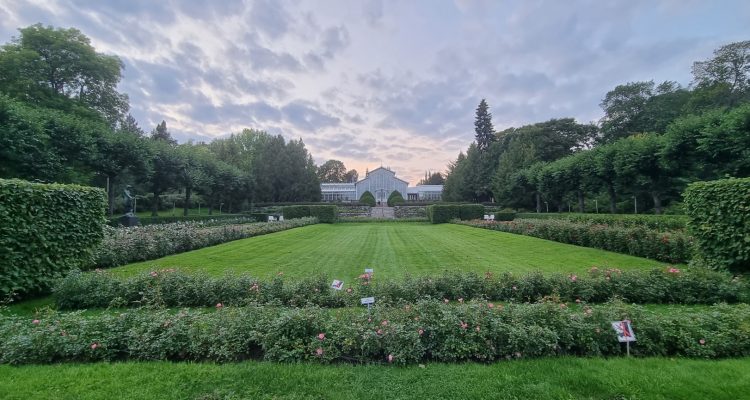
[(382, 212)]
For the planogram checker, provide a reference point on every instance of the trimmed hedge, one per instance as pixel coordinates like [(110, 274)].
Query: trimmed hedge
[(178, 218), (442, 213), (719, 219), (368, 199), (45, 231), (141, 243), (673, 247), (326, 214), (425, 331), (172, 288), (468, 212), (650, 221), (395, 198)]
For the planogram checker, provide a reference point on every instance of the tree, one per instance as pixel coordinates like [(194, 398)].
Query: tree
[(48, 67), (332, 171), (729, 68), (162, 133), (367, 198), (395, 198), (351, 176), (484, 131), (623, 110), (164, 175), (432, 178)]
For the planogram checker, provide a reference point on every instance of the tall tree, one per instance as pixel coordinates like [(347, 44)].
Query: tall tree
[(162, 133), (623, 110), (47, 66), (432, 178), (332, 171), (729, 68), (483, 129), (351, 176)]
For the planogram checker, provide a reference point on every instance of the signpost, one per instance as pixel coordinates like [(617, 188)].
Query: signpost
[(337, 284), (368, 301), (624, 332), (368, 271)]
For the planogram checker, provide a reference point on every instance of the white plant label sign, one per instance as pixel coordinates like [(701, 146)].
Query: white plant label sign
[(367, 300), (337, 284)]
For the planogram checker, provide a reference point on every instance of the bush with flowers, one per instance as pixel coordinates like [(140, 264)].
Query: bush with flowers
[(673, 247), (428, 330), (172, 288), (126, 245), (659, 222)]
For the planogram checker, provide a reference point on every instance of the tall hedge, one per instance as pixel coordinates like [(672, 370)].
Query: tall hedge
[(442, 213), (467, 212), (367, 198), (326, 214), (719, 219), (45, 231)]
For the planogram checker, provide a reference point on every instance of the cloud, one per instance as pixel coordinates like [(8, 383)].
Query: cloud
[(305, 116)]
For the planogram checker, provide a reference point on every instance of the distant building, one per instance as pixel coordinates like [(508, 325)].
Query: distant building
[(381, 182)]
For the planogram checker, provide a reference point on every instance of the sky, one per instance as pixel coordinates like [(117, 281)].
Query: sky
[(378, 82)]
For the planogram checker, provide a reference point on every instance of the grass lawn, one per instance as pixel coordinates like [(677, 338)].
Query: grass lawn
[(555, 378), (392, 249)]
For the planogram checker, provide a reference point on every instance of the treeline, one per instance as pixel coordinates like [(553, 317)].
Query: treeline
[(652, 141), (62, 120)]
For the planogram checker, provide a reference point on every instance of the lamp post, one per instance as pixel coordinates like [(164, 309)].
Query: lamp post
[(546, 205), (635, 204), (596, 204), (220, 205)]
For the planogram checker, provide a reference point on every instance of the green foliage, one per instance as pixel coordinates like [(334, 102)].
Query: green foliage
[(368, 199), (468, 212), (504, 214), (673, 247), (326, 214), (170, 288), (426, 331), (395, 199), (442, 213), (126, 245), (484, 132), (221, 219), (719, 218), (649, 221), (45, 231)]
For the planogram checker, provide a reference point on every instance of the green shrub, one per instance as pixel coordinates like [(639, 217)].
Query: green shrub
[(125, 245), (719, 219), (259, 217), (168, 219), (505, 214), (368, 199), (45, 231), (674, 247), (442, 213), (467, 212), (292, 212), (395, 199), (649, 221), (425, 331), (170, 288), (324, 214)]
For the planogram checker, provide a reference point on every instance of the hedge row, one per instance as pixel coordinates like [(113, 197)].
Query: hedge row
[(181, 218), (324, 214), (46, 230), (673, 247), (176, 289), (442, 213), (719, 219), (658, 222), (426, 331), (141, 243)]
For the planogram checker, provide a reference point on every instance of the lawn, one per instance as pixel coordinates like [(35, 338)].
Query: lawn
[(392, 249), (558, 378)]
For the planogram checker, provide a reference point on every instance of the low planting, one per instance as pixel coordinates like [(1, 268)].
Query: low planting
[(168, 219), (425, 331), (658, 222), (126, 245), (170, 288), (719, 213), (673, 247), (382, 220), (46, 230)]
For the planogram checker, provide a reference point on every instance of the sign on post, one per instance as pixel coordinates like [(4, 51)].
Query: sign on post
[(367, 300), (624, 332), (337, 284), (368, 271)]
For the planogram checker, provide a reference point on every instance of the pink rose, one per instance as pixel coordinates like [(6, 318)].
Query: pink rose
[(36, 322), (321, 336), (348, 290), (421, 332), (460, 299), (390, 358), (379, 331), (515, 288), (154, 274), (446, 301), (319, 351), (219, 305), (578, 301), (702, 341), (94, 346), (563, 305), (490, 305), (477, 328), (384, 323), (464, 325), (573, 278)]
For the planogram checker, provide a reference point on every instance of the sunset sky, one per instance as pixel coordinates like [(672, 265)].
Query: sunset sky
[(384, 82)]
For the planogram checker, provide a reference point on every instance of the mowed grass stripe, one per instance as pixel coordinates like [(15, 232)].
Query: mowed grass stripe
[(344, 250), (554, 378)]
